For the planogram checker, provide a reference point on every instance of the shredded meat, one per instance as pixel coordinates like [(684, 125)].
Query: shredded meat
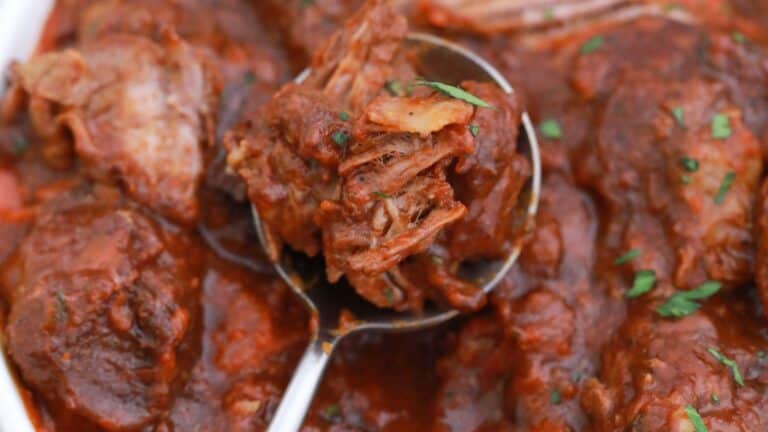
[(337, 164)]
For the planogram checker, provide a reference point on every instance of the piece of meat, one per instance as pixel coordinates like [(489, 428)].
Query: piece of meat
[(106, 298), (489, 180), (493, 16), (678, 178), (139, 112), (654, 368)]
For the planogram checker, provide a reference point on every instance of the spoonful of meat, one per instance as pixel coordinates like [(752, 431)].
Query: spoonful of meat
[(390, 184)]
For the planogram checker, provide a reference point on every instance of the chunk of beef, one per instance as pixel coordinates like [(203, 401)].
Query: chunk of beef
[(139, 112), (493, 16), (653, 369), (678, 170), (667, 48), (99, 320)]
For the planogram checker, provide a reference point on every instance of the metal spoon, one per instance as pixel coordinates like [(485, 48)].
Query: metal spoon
[(438, 60)]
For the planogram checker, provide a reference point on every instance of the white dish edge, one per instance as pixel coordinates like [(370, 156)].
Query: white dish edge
[(22, 23)]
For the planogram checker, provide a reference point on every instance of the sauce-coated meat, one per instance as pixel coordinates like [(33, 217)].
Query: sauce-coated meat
[(104, 302), (638, 304)]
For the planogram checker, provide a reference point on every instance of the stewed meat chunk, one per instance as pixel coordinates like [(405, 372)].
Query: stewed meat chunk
[(359, 164), (99, 319), (139, 112)]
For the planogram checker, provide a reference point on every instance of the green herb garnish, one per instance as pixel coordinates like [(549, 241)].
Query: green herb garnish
[(555, 397), (721, 126), (575, 376), (344, 116), (454, 92), (725, 186), (62, 310), (685, 303), (679, 114), (592, 44), (474, 130), (379, 194), (551, 129), (686, 179), (739, 37), (19, 146), (549, 13), (689, 164), (715, 399), (340, 138), (395, 88), (730, 364), (627, 257), (695, 418), (331, 412), (644, 281)]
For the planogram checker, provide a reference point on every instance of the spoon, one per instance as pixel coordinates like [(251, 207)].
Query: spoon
[(438, 60)]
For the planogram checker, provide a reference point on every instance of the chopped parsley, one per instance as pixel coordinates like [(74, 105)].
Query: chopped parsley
[(555, 397), (549, 13), (331, 412), (395, 88), (627, 257), (738, 37), (679, 114), (454, 92), (644, 281), (715, 399), (551, 129), (474, 130), (725, 186), (686, 302), (730, 364), (575, 376), (686, 179), (344, 116), (340, 138), (592, 44), (695, 418), (19, 145), (379, 194), (721, 126), (62, 310), (689, 164)]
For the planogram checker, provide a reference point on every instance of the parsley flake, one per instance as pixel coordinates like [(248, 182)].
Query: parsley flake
[(644, 281), (549, 13), (725, 186), (738, 37), (551, 129), (555, 397), (19, 145), (686, 179), (627, 257), (379, 194), (344, 116), (395, 88), (685, 303), (474, 130), (715, 399), (592, 44), (454, 92), (679, 114), (689, 164), (721, 126), (730, 364), (695, 418), (340, 138), (331, 412)]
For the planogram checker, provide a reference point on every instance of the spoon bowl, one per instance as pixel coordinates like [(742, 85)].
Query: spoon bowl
[(439, 60)]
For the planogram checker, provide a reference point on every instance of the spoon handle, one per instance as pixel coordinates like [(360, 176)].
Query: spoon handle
[(298, 396)]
